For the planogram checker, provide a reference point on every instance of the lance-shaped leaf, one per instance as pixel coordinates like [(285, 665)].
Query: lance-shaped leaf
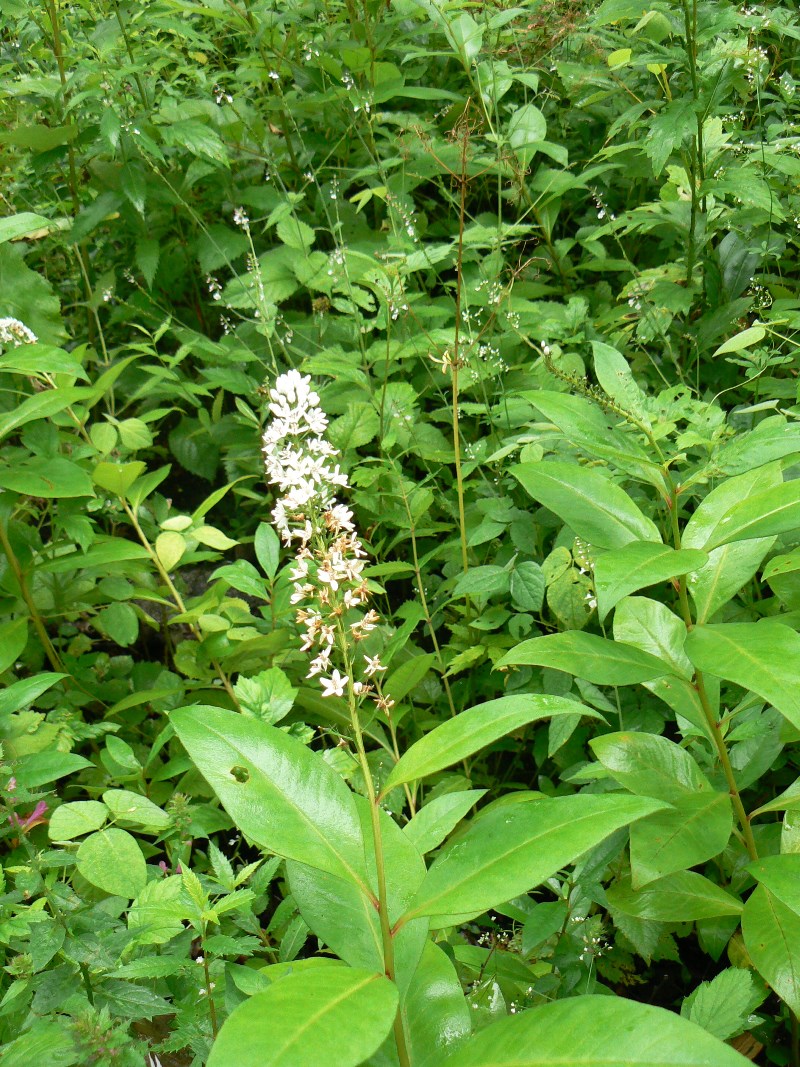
[(681, 897), (696, 828), (596, 659), (335, 1015), (594, 506), (773, 511), (280, 794), (760, 656), (637, 565), (435, 1011), (650, 765), (594, 1031), (771, 934), (472, 730), (513, 848)]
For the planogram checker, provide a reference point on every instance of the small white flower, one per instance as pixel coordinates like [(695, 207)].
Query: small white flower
[(14, 332), (373, 664), (334, 686)]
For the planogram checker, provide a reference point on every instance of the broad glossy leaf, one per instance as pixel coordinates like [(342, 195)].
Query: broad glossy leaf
[(472, 730), (773, 511), (761, 656), (650, 765), (594, 1031), (431, 824), (651, 626), (596, 659), (681, 897), (728, 567), (781, 876), (347, 920), (434, 1009), (112, 860), (594, 506), (320, 1015), (697, 828), (771, 934), (771, 440), (637, 565), (135, 809), (514, 847), (280, 794), (41, 406)]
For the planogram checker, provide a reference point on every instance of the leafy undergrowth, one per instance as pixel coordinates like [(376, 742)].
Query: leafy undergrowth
[(399, 552)]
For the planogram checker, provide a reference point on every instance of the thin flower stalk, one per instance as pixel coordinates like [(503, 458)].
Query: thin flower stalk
[(330, 591)]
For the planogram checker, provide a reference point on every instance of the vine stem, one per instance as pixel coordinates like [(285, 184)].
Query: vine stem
[(714, 728), (176, 596)]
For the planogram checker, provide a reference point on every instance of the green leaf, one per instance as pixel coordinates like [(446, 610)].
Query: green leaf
[(112, 861), (267, 696), (697, 828), (594, 506), (434, 1009), (20, 225), (527, 586), (40, 406), (133, 808), (321, 1015), (587, 427), (650, 765), (771, 934), (20, 694), (511, 849), (472, 730), (761, 657), (148, 253), (615, 378), (482, 582), (744, 339), (268, 549), (781, 876), (408, 675), (587, 656), (48, 477), (118, 477), (77, 818), (594, 1031), (682, 897), (280, 794), (773, 511), (39, 138), (119, 622), (465, 36), (527, 128), (636, 565), (652, 627), (104, 551), (13, 639), (724, 1005), (27, 296), (432, 824), (41, 768), (134, 185), (170, 547), (294, 233)]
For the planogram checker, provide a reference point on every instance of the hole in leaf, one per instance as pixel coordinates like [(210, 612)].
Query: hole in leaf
[(241, 774)]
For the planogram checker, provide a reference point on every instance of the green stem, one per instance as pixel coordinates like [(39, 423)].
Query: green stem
[(462, 523)]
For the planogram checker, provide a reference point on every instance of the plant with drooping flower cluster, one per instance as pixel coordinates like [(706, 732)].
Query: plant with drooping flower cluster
[(330, 589)]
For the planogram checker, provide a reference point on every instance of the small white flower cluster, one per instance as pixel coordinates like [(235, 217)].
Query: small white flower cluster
[(14, 332), (328, 573)]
